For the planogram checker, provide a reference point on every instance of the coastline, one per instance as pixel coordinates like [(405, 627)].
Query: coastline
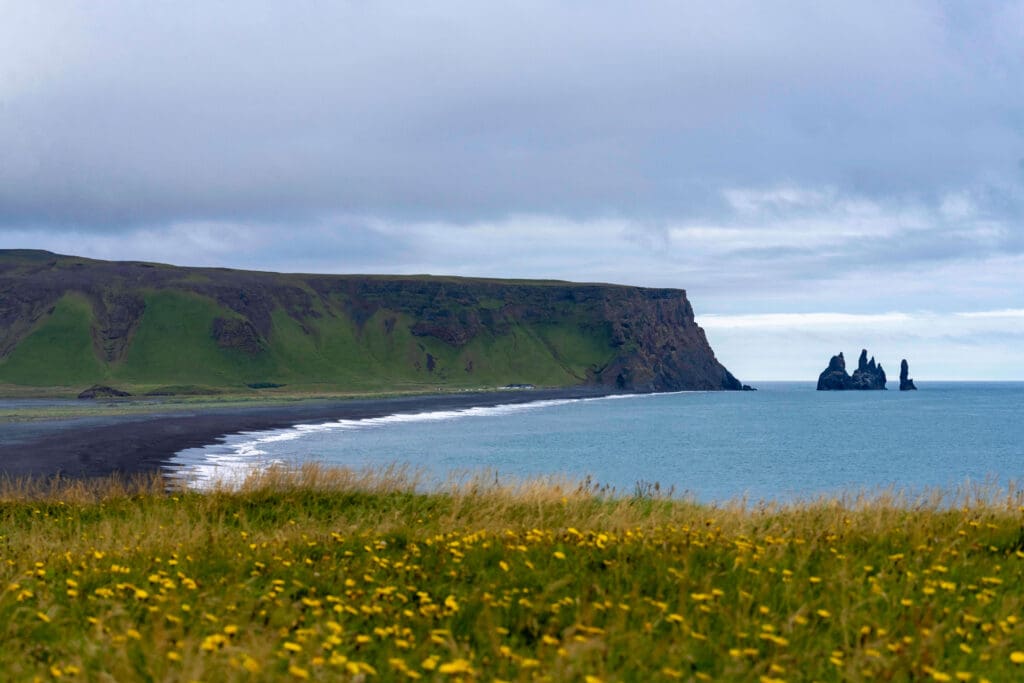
[(138, 444)]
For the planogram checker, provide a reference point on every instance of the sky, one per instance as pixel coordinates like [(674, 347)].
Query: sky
[(818, 176)]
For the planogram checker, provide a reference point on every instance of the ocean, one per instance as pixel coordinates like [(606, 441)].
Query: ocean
[(784, 442)]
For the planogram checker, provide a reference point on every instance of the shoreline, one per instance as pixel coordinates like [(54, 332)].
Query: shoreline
[(140, 444)]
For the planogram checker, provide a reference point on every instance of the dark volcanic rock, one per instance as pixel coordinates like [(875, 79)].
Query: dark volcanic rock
[(868, 375), (834, 377), (906, 384), (661, 347), (100, 391)]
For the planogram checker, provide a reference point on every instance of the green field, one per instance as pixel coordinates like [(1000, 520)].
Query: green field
[(335, 575)]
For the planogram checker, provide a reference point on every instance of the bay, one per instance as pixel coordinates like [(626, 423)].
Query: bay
[(783, 442)]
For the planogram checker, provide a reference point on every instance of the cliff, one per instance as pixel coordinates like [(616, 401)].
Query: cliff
[(67, 321), (867, 376)]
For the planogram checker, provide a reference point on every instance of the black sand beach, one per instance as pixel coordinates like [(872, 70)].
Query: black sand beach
[(139, 444)]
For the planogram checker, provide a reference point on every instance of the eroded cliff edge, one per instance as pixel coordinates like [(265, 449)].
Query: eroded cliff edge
[(66, 320)]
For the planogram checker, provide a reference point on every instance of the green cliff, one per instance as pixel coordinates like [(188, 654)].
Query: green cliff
[(71, 322)]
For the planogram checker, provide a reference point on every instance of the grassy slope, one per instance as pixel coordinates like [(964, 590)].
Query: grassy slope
[(173, 346), (59, 352), (333, 575)]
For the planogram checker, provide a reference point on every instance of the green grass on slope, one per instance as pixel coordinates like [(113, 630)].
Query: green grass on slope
[(60, 350), (173, 345), (335, 575), (373, 357)]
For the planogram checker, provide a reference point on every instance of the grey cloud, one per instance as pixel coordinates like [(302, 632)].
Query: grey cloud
[(123, 114)]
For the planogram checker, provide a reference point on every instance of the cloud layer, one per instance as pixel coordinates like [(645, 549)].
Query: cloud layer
[(841, 157)]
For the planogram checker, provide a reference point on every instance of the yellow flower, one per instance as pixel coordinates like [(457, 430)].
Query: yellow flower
[(298, 672), (213, 642), (458, 666), (1017, 657)]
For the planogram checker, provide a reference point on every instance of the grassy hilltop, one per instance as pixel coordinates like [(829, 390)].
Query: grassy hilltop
[(334, 575), (72, 322)]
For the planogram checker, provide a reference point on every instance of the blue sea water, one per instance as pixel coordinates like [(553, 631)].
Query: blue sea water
[(783, 442)]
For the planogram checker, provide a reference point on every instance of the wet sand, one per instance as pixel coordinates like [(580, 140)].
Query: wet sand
[(134, 444)]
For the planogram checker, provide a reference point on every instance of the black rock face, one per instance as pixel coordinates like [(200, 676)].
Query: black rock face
[(906, 384), (834, 376), (867, 376)]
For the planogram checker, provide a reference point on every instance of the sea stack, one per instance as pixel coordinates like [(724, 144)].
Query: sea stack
[(906, 384), (834, 377), (868, 375)]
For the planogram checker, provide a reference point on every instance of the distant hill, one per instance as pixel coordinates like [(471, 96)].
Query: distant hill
[(73, 322)]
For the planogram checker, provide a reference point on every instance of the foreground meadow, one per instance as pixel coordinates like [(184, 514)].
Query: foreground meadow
[(334, 575)]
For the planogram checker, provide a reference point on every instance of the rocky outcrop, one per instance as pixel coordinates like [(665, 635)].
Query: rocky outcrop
[(906, 384), (101, 391), (835, 377), (660, 347), (868, 375)]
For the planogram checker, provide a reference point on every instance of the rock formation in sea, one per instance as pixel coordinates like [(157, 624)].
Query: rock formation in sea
[(868, 375), (834, 377), (906, 383)]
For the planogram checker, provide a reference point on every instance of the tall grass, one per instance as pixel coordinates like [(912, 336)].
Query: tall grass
[(358, 575)]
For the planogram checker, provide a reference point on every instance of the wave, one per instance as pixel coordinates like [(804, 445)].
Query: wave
[(228, 463)]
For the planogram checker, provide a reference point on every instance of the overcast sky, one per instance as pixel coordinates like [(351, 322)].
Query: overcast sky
[(819, 176)]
